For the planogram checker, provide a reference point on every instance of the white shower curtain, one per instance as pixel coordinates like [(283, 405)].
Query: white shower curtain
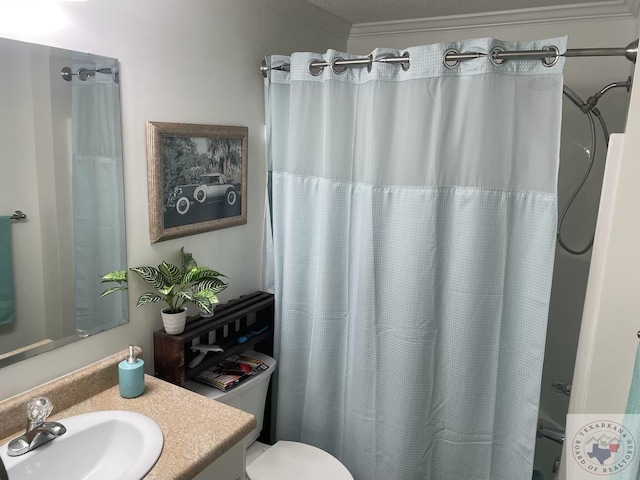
[(98, 210), (410, 248)]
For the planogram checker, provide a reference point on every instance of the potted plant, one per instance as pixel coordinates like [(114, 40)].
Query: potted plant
[(176, 286)]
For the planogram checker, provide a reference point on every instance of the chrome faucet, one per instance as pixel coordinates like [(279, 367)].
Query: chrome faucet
[(552, 434), (561, 387), (38, 431)]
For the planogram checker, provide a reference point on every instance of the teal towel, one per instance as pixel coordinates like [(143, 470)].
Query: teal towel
[(7, 308), (633, 401), (632, 420)]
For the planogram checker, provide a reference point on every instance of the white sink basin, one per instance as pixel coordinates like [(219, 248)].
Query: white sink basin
[(111, 445)]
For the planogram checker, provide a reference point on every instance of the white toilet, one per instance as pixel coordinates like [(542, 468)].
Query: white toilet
[(284, 460)]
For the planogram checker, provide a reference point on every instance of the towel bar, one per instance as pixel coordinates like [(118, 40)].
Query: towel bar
[(18, 215)]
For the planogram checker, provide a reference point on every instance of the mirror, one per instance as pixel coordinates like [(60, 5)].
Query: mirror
[(61, 164)]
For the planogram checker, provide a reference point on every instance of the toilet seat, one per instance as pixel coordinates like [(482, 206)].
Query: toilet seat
[(295, 461)]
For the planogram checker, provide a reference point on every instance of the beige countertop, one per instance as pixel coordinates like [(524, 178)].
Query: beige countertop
[(196, 430)]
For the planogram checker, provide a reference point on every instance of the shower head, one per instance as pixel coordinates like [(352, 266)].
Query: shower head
[(590, 104)]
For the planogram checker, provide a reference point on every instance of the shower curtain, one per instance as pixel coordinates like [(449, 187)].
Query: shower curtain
[(98, 213), (410, 240)]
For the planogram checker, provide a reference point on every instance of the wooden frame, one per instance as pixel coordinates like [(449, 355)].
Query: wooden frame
[(197, 178)]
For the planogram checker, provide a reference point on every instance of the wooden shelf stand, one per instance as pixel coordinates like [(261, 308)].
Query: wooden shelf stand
[(172, 353)]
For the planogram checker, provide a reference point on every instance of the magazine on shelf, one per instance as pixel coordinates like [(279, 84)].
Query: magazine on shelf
[(231, 371)]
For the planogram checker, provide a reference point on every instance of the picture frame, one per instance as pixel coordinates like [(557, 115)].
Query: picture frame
[(197, 178)]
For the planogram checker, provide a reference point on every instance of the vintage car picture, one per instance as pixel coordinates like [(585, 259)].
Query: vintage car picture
[(197, 178), (211, 187)]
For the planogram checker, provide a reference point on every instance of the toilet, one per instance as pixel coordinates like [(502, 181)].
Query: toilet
[(284, 460)]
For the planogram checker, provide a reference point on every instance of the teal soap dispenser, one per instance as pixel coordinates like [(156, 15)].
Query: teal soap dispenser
[(131, 375)]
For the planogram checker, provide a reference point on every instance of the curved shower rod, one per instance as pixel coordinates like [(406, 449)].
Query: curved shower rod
[(630, 52), (549, 57)]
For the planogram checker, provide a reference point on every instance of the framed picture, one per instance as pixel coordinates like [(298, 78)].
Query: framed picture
[(197, 178)]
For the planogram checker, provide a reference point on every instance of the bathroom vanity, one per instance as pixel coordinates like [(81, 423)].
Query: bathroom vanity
[(201, 438)]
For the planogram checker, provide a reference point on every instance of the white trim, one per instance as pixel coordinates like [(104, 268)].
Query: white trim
[(622, 9), (592, 304), (314, 15)]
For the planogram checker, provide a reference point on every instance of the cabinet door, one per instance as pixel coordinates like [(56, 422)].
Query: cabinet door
[(230, 466)]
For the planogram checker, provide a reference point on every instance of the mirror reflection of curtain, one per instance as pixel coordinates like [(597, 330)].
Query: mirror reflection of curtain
[(98, 200)]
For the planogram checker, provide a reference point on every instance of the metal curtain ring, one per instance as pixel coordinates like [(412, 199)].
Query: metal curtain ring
[(338, 69), (315, 70), (405, 65), (450, 63), (550, 62), (83, 74), (493, 56)]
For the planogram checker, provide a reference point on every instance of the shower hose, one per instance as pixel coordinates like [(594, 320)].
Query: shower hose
[(590, 110)]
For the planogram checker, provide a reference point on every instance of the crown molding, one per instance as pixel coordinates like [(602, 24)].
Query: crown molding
[(614, 9), (313, 15)]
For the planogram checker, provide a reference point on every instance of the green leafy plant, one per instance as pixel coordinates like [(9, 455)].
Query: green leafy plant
[(175, 285)]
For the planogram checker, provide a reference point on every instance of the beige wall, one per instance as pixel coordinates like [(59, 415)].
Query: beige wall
[(191, 62)]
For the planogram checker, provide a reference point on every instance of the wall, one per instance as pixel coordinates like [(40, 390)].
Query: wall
[(190, 62)]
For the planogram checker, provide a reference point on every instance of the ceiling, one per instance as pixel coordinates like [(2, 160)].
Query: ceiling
[(365, 11)]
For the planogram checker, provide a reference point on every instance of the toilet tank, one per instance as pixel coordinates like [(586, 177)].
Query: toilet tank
[(249, 396)]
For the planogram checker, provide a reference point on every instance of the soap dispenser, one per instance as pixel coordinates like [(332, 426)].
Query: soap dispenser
[(131, 375)]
